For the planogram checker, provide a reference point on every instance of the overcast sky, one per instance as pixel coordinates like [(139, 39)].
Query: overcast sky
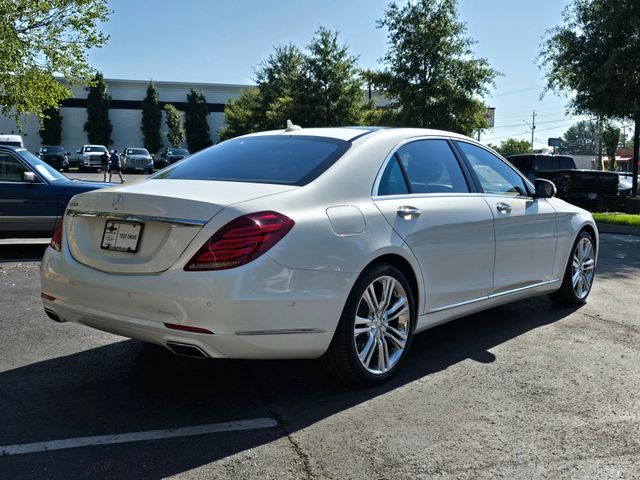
[(222, 41)]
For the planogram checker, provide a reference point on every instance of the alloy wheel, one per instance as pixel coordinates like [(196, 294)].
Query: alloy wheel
[(382, 325), (583, 267)]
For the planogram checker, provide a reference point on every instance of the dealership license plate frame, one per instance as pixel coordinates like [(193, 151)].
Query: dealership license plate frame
[(112, 241)]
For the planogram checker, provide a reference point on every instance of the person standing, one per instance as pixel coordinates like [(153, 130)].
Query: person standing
[(105, 164), (115, 166)]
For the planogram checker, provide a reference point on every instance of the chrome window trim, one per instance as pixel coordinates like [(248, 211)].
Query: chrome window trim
[(136, 218), (289, 331)]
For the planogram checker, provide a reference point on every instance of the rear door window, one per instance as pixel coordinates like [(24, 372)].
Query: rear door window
[(431, 167), (392, 181)]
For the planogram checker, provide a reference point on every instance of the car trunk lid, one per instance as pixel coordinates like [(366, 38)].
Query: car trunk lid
[(169, 213)]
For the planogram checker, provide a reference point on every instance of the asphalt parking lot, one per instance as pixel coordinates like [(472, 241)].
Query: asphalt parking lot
[(528, 390)]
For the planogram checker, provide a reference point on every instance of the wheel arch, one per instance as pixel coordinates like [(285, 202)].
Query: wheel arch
[(402, 264)]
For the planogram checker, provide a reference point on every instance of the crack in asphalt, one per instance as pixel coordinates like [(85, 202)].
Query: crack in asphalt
[(613, 322), (266, 402)]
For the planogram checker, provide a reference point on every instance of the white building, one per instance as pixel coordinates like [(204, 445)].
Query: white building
[(126, 112)]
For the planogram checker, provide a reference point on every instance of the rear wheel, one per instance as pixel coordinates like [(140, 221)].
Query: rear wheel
[(375, 330), (579, 274)]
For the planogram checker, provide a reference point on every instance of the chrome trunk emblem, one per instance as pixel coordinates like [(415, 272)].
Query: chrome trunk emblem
[(118, 201)]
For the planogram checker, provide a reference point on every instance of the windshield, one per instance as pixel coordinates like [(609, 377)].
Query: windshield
[(280, 159), (136, 151), (95, 149), (177, 151), (44, 169), (11, 144), (51, 150)]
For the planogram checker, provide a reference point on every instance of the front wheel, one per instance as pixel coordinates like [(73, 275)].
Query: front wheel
[(579, 273), (375, 330)]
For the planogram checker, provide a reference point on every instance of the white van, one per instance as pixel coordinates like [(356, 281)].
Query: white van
[(11, 140)]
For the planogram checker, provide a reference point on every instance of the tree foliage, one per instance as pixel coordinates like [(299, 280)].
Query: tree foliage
[(321, 86), (580, 138), (595, 57), (610, 141), (430, 71), (196, 125), (39, 40), (151, 120), (98, 125), (513, 146), (330, 90), (51, 127), (175, 128)]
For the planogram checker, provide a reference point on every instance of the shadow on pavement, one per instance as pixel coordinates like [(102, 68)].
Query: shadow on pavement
[(128, 386), (22, 252)]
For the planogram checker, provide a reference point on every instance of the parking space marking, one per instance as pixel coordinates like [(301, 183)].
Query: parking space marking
[(252, 424)]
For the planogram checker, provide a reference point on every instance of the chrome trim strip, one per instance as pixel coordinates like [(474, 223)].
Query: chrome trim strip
[(290, 331), (136, 218), (494, 295), (515, 290)]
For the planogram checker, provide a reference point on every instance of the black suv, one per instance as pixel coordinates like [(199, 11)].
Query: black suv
[(55, 156), (169, 156)]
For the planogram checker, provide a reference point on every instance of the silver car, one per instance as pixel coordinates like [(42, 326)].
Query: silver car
[(338, 243), (137, 160)]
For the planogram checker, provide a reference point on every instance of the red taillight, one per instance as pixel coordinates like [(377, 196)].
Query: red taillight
[(56, 240), (241, 241)]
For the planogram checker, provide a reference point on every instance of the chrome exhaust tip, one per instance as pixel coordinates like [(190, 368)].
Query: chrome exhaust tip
[(186, 350)]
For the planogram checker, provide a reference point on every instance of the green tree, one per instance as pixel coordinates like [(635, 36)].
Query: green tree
[(330, 91), (513, 146), (151, 120), (51, 127), (430, 70), (40, 39), (594, 58), (175, 129), (580, 138), (196, 125), (98, 125), (243, 115), (610, 140)]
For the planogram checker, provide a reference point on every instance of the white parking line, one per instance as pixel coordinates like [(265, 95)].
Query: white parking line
[(252, 424)]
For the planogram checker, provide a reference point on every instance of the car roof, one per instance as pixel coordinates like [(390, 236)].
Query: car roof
[(351, 133)]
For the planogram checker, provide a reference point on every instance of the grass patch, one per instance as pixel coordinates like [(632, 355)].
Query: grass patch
[(617, 219)]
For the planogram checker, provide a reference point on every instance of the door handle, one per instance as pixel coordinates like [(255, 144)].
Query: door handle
[(407, 213), (503, 207)]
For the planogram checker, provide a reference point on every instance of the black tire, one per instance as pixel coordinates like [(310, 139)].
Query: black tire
[(341, 359), (566, 294)]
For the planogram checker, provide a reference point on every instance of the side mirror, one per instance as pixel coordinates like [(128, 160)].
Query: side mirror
[(78, 152), (544, 188), (28, 177)]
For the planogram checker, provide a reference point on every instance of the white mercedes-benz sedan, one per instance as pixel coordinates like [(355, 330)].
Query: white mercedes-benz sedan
[(339, 243)]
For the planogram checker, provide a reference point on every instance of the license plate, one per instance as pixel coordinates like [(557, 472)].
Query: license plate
[(121, 236), (592, 196)]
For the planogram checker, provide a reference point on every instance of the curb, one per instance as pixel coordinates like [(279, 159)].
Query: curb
[(620, 229)]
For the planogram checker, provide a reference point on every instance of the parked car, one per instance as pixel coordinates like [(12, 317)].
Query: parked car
[(338, 243), (11, 140), (137, 160), (169, 156), (90, 157), (33, 195), (592, 189), (55, 156)]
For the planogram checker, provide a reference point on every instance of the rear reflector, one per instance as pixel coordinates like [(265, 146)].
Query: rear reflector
[(46, 296), (56, 240), (187, 328), (240, 241)]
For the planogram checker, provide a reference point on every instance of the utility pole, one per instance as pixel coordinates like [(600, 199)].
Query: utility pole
[(532, 126)]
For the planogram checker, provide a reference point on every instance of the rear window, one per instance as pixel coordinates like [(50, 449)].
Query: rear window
[(279, 159)]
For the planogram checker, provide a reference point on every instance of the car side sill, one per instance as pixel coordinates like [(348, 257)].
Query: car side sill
[(494, 295)]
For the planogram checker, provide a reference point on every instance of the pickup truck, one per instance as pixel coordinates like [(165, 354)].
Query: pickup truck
[(89, 157), (590, 189)]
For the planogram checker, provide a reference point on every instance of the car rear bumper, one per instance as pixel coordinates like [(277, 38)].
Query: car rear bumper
[(262, 310)]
